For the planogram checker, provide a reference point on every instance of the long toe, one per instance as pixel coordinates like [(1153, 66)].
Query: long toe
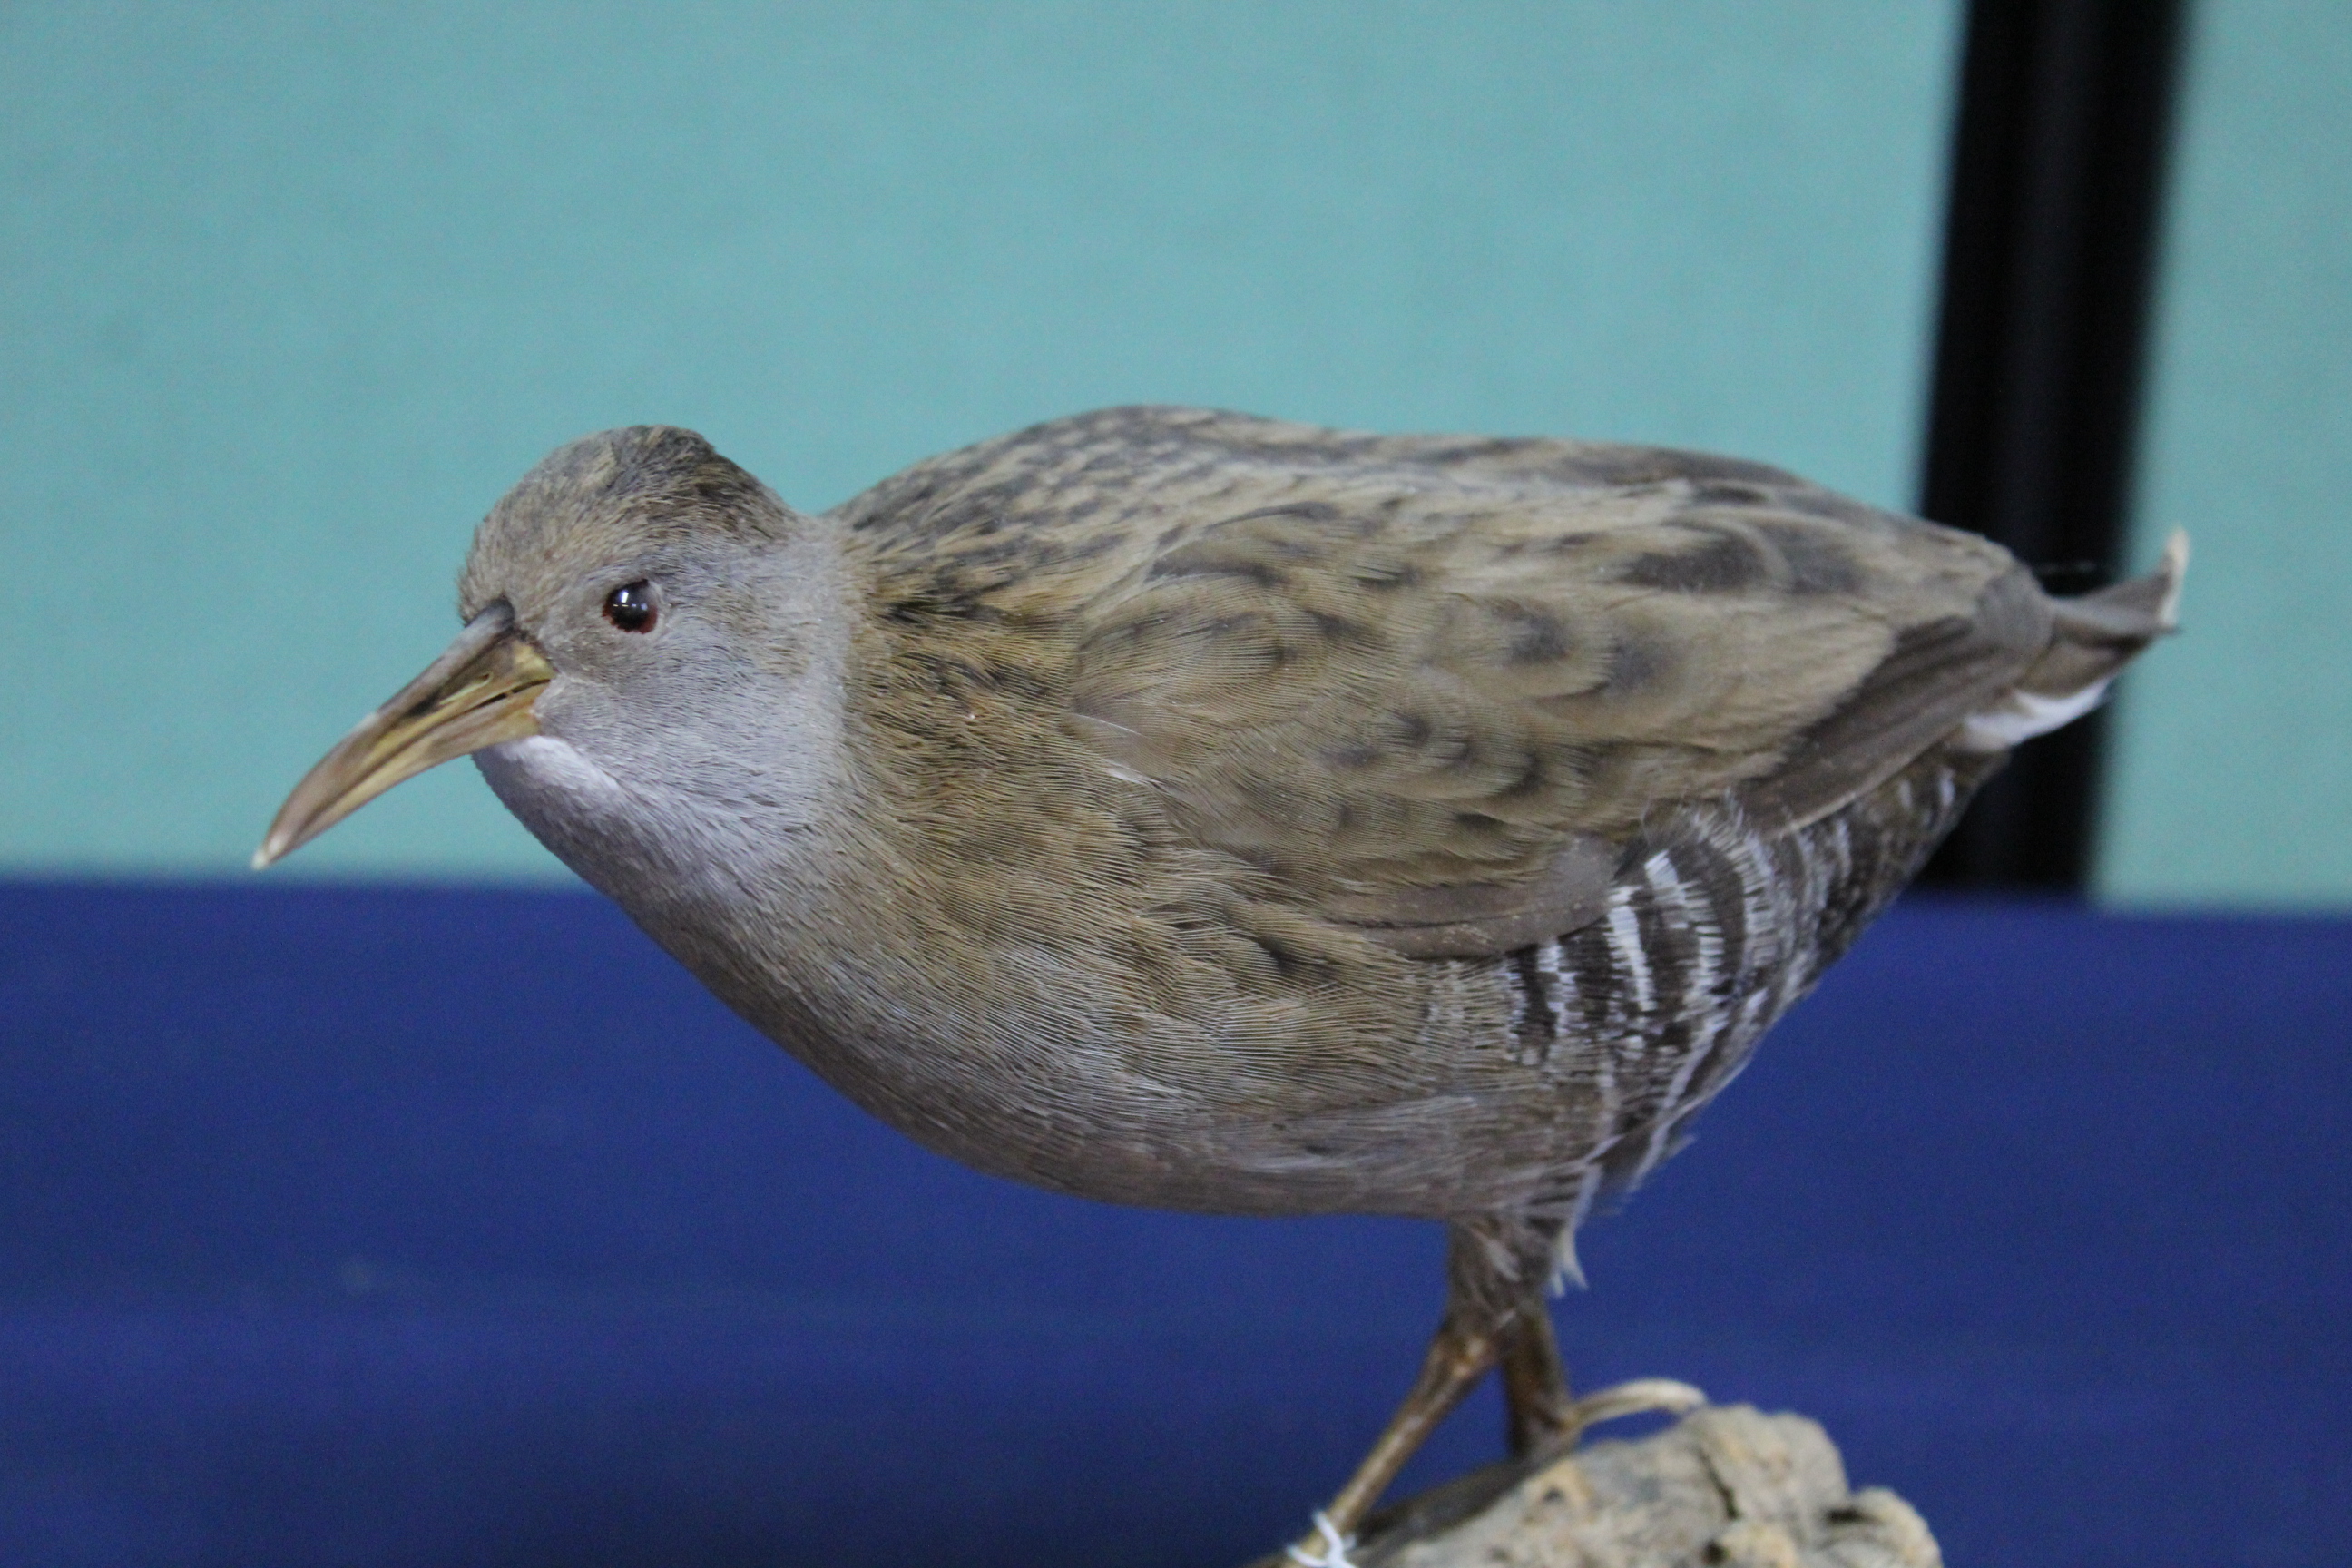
[(1633, 1398)]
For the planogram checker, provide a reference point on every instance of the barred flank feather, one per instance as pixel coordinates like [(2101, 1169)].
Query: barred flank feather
[(1713, 933)]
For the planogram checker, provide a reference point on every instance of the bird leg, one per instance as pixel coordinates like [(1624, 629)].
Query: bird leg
[(1539, 1415), (1459, 1355), (1536, 1409), (1496, 1315), (1493, 1276)]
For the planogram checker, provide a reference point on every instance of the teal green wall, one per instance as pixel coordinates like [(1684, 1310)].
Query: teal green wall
[(294, 292), (2234, 778)]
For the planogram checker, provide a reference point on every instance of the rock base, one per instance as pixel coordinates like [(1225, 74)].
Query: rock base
[(1725, 1487)]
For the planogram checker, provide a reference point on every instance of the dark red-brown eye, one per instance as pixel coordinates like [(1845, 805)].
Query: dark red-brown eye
[(631, 606)]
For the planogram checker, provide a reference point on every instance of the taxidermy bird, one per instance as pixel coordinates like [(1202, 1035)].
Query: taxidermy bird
[(1184, 808)]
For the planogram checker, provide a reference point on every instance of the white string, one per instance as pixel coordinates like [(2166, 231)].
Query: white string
[(1334, 1552)]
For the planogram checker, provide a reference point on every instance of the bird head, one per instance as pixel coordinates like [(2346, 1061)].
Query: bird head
[(650, 661)]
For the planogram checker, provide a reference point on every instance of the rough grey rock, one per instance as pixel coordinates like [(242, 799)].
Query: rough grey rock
[(1727, 1487)]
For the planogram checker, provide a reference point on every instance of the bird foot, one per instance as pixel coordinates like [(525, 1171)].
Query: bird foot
[(1631, 1398), (1329, 1549)]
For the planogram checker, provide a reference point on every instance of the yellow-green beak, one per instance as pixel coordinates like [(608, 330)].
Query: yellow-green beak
[(477, 693)]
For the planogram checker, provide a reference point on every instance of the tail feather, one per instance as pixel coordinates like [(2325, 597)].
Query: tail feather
[(2091, 639), (2098, 634)]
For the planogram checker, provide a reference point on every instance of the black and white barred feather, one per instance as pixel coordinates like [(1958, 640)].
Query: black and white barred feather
[(1714, 929)]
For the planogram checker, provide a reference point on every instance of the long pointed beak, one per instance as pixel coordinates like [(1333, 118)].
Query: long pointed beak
[(477, 693)]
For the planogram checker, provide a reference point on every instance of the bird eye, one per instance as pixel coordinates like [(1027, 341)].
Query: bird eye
[(631, 606)]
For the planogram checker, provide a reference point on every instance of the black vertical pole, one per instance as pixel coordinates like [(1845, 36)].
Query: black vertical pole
[(2056, 181)]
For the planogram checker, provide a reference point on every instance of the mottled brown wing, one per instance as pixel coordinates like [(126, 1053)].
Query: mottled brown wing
[(1436, 685)]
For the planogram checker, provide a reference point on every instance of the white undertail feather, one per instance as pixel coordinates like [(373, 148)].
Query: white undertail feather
[(2022, 715)]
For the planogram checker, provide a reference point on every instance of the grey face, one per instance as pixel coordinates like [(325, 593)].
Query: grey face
[(649, 675)]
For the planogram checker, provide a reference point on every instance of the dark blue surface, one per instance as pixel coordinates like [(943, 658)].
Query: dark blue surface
[(387, 1227)]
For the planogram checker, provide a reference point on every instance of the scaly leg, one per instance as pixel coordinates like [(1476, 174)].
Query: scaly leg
[(1492, 1273), (1541, 1414), (1459, 1355), (1537, 1411), (1496, 1269)]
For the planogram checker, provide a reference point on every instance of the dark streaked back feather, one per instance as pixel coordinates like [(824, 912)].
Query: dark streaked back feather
[(1433, 683)]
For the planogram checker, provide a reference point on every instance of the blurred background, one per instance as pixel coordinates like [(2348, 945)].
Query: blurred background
[(295, 291), (338, 1224)]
